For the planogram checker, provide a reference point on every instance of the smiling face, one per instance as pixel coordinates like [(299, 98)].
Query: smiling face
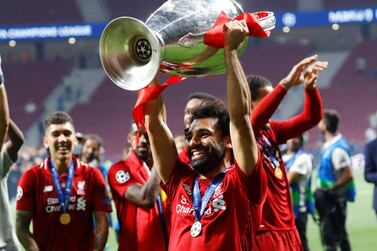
[(60, 139), (206, 145)]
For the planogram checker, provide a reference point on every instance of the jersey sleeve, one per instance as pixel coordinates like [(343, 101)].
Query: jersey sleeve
[(180, 170), (101, 200), (262, 113), (183, 156), (120, 179), (255, 183), (309, 117), (340, 159), (302, 165), (26, 191), (5, 163)]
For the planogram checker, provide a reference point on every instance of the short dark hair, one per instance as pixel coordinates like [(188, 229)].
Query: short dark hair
[(201, 96), (213, 109), (255, 83), (57, 118), (331, 119), (94, 137)]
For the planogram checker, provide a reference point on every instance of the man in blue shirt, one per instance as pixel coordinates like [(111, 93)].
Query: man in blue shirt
[(335, 184)]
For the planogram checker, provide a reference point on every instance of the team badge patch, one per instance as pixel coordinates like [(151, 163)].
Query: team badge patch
[(81, 187), (20, 192), (122, 176)]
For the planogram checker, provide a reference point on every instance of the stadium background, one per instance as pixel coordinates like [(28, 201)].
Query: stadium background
[(46, 72)]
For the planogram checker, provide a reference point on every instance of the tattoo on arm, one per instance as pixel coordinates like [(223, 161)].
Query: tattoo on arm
[(145, 195), (101, 231)]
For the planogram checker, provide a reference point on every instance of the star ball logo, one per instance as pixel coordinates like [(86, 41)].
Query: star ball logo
[(20, 192), (122, 176)]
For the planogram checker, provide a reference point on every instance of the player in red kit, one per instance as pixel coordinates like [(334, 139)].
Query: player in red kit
[(210, 201), (277, 230), (141, 207), (60, 196)]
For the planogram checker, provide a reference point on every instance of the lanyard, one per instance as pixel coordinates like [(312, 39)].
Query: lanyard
[(269, 151), (200, 203), (63, 196)]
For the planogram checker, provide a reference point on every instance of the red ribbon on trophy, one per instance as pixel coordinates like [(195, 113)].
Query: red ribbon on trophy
[(258, 23), (148, 93), (215, 37)]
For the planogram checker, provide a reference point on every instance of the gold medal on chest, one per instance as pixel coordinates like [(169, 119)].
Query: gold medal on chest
[(278, 173), (65, 218)]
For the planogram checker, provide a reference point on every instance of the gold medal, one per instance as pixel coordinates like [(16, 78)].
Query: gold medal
[(65, 218), (278, 173)]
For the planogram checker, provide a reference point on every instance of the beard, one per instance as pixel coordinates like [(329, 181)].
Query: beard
[(211, 159), (143, 155)]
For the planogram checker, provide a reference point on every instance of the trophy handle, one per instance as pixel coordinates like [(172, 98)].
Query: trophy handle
[(130, 53)]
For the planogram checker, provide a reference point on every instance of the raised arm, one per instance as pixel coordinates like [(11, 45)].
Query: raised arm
[(4, 109), (239, 101), (23, 219), (312, 112), (145, 195), (164, 151), (265, 109), (16, 139)]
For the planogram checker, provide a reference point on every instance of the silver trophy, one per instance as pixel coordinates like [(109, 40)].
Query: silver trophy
[(171, 40)]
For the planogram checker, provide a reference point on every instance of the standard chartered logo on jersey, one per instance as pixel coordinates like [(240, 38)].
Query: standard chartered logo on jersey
[(184, 207), (76, 202)]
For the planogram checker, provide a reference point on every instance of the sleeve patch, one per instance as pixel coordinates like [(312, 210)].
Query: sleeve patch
[(122, 176), (20, 193)]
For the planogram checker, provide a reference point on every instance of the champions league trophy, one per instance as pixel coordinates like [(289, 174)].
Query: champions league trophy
[(171, 40)]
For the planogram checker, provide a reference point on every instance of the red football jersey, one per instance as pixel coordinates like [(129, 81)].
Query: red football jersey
[(224, 223), (278, 207), (184, 156), (36, 193), (140, 228)]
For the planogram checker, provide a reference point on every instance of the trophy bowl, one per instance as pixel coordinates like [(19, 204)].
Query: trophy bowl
[(171, 40)]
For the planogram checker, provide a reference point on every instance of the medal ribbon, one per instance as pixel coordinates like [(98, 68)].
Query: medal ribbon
[(199, 203), (269, 151), (63, 196), (149, 93)]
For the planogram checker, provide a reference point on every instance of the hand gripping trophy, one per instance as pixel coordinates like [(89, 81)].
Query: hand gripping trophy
[(182, 38)]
